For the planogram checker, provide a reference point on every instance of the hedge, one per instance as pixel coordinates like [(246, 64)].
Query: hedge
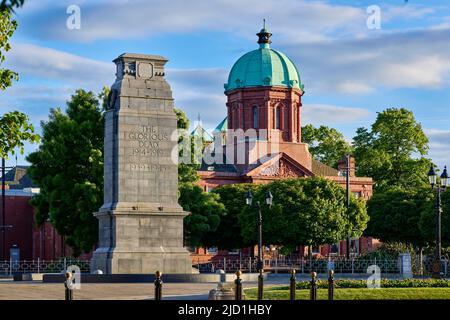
[(385, 283)]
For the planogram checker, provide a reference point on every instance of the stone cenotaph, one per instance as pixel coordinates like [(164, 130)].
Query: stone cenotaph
[(140, 222)]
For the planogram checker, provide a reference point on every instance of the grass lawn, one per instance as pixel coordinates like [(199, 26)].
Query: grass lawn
[(357, 294)]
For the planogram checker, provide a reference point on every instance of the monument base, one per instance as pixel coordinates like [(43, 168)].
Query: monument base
[(141, 243), (142, 262)]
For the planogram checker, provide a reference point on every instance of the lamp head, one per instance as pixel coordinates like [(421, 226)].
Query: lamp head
[(249, 198), (269, 198), (432, 176), (444, 178)]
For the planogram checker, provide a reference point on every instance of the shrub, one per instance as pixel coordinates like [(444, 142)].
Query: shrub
[(385, 283)]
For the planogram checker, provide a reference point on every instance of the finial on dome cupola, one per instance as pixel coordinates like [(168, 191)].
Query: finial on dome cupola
[(264, 36)]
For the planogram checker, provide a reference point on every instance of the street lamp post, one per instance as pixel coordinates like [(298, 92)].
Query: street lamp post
[(260, 263), (347, 198), (3, 226), (432, 176)]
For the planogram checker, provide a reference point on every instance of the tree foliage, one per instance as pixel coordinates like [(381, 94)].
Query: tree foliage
[(68, 167), (15, 129), (7, 28), (305, 212), (428, 220), (395, 215), (204, 208), (205, 214), (229, 233), (393, 151), (187, 172), (325, 144), (10, 5)]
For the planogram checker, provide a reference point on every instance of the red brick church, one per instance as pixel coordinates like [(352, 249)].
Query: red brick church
[(264, 95)]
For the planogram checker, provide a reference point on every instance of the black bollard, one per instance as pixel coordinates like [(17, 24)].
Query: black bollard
[(331, 285), (158, 285), (293, 284), (313, 286), (238, 283), (69, 286), (260, 285)]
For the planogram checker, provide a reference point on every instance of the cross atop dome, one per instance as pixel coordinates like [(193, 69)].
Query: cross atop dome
[(264, 36)]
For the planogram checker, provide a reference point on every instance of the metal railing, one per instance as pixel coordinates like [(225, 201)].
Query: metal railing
[(41, 266), (426, 267), (339, 264), (245, 264)]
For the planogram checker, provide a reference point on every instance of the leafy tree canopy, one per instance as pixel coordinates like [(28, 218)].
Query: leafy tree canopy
[(10, 5), (229, 234), (305, 211), (326, 144), (395, 215), (68, 167), (427, 222), (393, 151), (187, 172), (7, 28), (205, 214), (15, 129), (204, 208)]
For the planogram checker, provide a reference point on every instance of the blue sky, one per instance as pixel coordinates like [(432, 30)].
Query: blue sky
[(350, 72)]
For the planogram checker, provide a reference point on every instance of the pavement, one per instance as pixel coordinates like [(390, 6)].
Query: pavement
[(37, 290)]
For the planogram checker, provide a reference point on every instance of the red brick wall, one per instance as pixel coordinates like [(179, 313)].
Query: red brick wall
[(43, 242), (20, 215)]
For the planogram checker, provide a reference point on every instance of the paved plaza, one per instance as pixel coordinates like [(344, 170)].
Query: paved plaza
[(33, 290), (36, 290)]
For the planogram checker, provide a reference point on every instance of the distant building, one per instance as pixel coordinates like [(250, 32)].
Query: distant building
[(264, 95), (20, 231)]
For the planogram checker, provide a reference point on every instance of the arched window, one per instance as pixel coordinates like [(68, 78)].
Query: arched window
[(278, 117), (235, 119), (255, 117)]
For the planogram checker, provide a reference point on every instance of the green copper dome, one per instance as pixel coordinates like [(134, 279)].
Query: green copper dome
[(263, 67)]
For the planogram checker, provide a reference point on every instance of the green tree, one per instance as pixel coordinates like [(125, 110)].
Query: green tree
[(205, 215), (395, 215), (427, 222), (187, 172), (229, 233), (304, 212), (204, 208), (393, 151), (10, 5), (7, 28), (15, 129), (68, 167), (325, 144)]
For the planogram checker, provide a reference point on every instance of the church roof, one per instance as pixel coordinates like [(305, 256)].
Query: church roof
[(17, 178), (200, 132), (263, 67), (321, 169), (222, 126)]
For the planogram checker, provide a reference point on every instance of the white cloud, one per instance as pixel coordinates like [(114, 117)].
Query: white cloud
[(439, 146), (325, 114), (51, 76), (123, 20), (330, 43), (410, 11), (351, 87), (416, 59), (50, 64), (200, 91)]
